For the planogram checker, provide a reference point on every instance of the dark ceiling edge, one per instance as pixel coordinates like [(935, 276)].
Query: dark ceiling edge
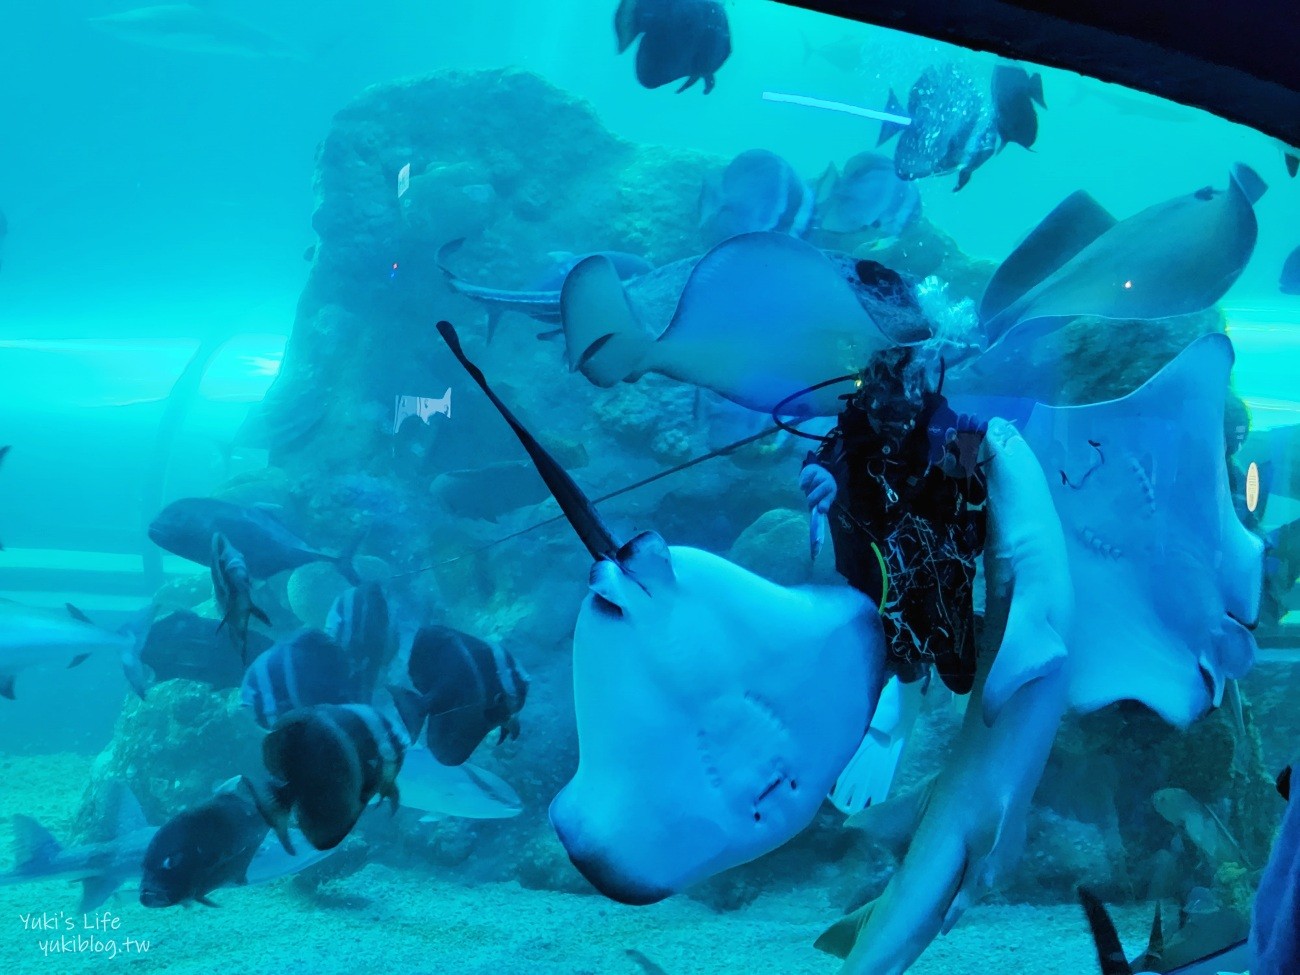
[(1013, 32)]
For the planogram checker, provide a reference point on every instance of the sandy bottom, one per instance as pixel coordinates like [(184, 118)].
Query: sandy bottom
[(383, 921)]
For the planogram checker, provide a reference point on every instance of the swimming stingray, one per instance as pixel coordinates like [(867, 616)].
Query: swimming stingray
[(540, 302), (1153, 541), (761, 317), (185, 27), (742, 700), (1174, 258), (965, 830)]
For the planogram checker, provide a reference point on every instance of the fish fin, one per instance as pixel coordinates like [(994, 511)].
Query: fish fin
[(411, 708), (493, 317), (224, 620), (78, 659), (710, 201), (1110, 950), (647, 559), (627, 23), (551, 333), (7, 686), (394, 797), (1251, 183), (1030, 651), (1036, 90), (604, 339), (1284, 783), (1155, 943), (1292, 167), (691, 80), (892, 824), (453, 736), (77, 614), (1074, 224), (271, 803), (258, 614), (343, 561), (4, 451), (34, 845), (890, 129), (840, 937), (95, 890), (825, 185), (206, 901), (129, 816)]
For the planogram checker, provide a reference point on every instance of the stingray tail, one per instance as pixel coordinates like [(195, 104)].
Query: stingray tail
[(577, 507), (604, 338), (1110, 951)]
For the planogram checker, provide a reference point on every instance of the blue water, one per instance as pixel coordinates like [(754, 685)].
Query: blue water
[(159, 199)]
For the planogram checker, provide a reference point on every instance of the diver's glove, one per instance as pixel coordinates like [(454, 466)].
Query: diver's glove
[(961, 446), (818, 486)]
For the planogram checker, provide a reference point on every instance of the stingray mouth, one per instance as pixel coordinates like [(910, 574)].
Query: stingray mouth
[(617, 886), (603, 607)]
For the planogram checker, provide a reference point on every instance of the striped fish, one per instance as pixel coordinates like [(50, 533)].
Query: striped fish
[(464, 689), (233, 588), (326, 763), (303, 669), (360, 623)]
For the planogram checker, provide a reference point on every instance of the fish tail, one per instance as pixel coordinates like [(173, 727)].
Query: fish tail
[(890, 129), (1036, 90), (257, 613), (343, 562), (411, 708)]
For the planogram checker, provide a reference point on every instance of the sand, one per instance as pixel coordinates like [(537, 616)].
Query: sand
[(381, 920)]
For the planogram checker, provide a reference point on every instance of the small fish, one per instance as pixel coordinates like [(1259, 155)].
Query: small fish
[(1015, 92), (326, 763), (541, 300), (682, 39), (1289, 282), (1202, 826), (185, 528), (301, 670), (361, 623), (30, 637), (187, 646), (461, 791), (233, 588), (868, 197), (185, 27), (953, 127), (757, 191), (647, 966), (464, 688), (491, 491), (1292, 167), (203, 848), (100, 867)]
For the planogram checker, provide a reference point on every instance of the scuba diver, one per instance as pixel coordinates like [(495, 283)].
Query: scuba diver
[(898, 483)]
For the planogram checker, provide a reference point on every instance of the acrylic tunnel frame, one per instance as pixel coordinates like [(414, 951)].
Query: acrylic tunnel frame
[(1236, 60)]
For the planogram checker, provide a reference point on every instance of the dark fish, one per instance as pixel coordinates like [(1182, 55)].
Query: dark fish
[(953, 127), (360, 623), (757, 191), (1292, 167), (1015, 93), (491, 491), (540, 301), (186, 527), (233, 588), (464, 687), (868, 197), (326, 763), (1289, 282), (303, 669), (185, 645), (203, 848), (682, 39)]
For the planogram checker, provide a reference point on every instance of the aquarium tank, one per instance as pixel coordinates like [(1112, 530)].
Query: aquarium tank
[(674, 487)]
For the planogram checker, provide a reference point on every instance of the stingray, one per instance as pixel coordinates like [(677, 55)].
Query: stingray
[(741, 699), (1153, 541), (185, 27), (762, 317), (1274, 940), (1175, 258), (966, 829)]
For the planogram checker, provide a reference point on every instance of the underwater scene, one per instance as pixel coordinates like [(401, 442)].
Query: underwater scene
[(664, 487)]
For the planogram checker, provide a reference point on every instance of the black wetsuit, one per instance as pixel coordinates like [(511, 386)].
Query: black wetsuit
[(907, 534)]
